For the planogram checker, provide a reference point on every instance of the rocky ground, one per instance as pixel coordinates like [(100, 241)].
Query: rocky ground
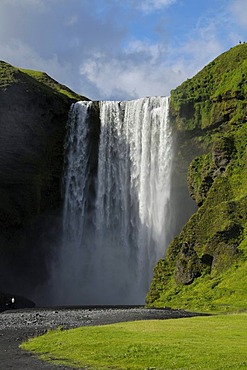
[(18, 325)]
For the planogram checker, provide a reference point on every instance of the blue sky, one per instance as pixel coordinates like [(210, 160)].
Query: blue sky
[(119, 49)]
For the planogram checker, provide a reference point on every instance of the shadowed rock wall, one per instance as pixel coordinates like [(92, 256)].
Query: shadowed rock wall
[(32, 128)]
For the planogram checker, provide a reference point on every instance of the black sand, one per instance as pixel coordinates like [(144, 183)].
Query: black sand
[(17, 325)]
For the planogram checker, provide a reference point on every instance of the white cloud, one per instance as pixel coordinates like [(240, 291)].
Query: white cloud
[(203, 46), (56, 39), (98, 49), (132, 75), (146, 68), (152, 51), (37, 4), (238, 9), (118, 79), (71, 21), (151, 5), (21, 53)]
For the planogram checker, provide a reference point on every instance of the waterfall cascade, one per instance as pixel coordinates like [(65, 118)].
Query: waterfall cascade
[(115, 222)]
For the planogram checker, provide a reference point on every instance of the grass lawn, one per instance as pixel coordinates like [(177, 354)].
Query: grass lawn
[(208, 343)]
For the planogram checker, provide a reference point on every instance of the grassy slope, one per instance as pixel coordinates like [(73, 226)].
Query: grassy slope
[(211, 109), (218, 91), (10, 75), (56, 86), (157, 345)]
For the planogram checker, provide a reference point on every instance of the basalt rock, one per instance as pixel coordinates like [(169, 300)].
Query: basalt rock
[(188, 265), (11, 301)]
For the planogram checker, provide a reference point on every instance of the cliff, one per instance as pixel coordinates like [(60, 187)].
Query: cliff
[(33, 114), (205, 265)]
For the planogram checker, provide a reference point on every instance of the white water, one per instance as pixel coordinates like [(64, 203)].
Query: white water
[(116, 227)]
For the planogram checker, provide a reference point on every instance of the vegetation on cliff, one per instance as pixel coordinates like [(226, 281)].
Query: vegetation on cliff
[(217, 94), (205, 266), (10, 75), (33, 114)]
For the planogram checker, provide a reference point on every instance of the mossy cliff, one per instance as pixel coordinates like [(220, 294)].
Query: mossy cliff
[(205, 265), (33, 114)]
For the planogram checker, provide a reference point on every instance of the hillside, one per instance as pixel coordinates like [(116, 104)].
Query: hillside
[(11, 76), (205, 265), (33, 115)]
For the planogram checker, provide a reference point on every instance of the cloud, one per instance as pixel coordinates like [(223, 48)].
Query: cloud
[(140, 70), (115, 49), (152, 51), (238, 8), (21, 52), (56, 36), (203, 45), (52, 30), (37, 4), (118, 79), (153, 68), (147, 6), (71, 21), (152, 5)]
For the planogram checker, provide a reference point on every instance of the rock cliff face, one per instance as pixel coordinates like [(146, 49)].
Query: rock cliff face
[(205, 266), (33, 114)]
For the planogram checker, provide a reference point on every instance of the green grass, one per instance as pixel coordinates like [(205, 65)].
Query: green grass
[(33, 80), (206, 343), (219, 224), (225, 292), (210, 110), (218, 89), (7, 75), (43, 78)]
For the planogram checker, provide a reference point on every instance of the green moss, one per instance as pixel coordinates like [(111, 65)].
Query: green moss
[(224, 292), (54, 85), (216, 94), (200, 177), (210, 110), (10, 75)]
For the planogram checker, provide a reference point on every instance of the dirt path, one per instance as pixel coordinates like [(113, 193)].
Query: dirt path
[(18, 325)]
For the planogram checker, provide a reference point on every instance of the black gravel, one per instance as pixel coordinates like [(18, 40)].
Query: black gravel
[(18, 325)]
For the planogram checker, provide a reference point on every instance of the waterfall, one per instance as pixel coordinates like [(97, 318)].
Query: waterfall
[(115, 225)]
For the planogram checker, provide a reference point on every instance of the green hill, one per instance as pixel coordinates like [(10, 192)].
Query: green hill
[(206, 264), (10, 75)]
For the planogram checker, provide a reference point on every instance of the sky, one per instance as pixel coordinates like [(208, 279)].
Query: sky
[(119, 50)]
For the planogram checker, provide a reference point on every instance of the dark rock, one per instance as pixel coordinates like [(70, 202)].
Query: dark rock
[(19, 302), (188, 265), (33, 118), (207, 259), (222, 151)]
